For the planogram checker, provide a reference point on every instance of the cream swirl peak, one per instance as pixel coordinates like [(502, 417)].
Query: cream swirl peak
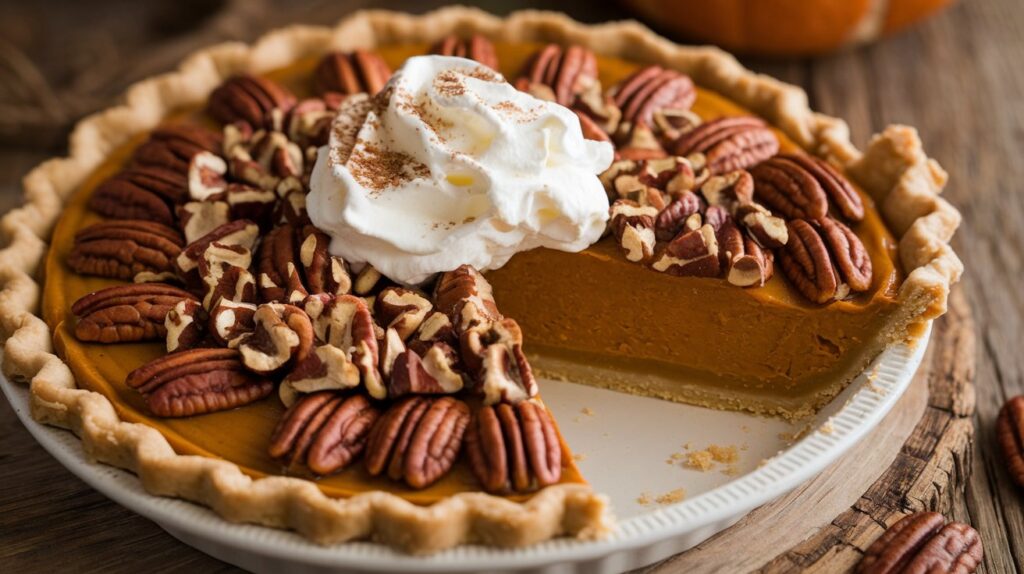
[(451, 165)]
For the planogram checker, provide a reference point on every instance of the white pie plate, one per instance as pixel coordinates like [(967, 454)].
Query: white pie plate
[(627, 445)]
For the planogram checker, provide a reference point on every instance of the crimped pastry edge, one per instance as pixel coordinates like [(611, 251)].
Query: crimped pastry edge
[(894, 169)]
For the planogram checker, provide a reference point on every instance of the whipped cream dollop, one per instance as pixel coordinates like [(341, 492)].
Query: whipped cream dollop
[(450, 165)]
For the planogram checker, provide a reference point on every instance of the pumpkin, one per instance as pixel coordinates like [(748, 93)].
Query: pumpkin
[(783, 27)]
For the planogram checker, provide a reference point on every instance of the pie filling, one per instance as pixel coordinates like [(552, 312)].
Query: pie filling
[(635, 311)]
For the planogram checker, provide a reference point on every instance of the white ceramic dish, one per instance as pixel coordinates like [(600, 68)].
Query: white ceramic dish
[(630, 465)]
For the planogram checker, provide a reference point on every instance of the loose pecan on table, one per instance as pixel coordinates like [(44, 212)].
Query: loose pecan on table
[(253, 100), (824, 260), (475, 47), (418, 439), (348, 73), (126, 313), (923, 542), (514, 447), (729, 143), (559, 74), (325, 431), (125, 249), (197, 381), (1010, 435)]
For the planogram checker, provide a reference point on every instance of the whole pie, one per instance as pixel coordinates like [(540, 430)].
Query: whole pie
[(312, 283)]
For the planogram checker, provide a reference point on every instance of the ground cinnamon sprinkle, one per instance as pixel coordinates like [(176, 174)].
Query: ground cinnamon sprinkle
[(379, 169)]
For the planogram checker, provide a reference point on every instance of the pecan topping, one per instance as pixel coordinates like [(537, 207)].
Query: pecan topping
[(818, 258), (565, 72), (652, 89), (326, 431), (835, 186), (678, 216), (465, 296), (142, 192), (493, 353), (351, 73), (691, 254), (769, 231), (251, 203), (345, 322), (476, 47), (197, 218), (206, 176), (197, 381), (746, 264), (241, 233), (401, 309), (366, 280), (124, 249), (264, 159), (126, 313), (185, 325), (647, 181), (432, 374), (417, 440), (252, 100), (514, 447), (294, 262), (309, 123), (172, 146), (922, 542), (729, 143), (282, 335), (1010, 434), (729, 190), (633, 226), (224, 270), (229, 320), (787, 188)]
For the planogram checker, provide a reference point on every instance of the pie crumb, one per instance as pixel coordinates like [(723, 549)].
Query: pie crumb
[(700, 460), (672, 496), (579, 457), (644, 498), (704, 460), (827, 428), (588, 411), (723, 454), (731, 470)]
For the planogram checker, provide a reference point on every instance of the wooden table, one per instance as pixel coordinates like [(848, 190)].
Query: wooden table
[(957, 78)]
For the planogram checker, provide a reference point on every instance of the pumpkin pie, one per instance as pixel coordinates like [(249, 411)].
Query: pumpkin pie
[(169, 273)]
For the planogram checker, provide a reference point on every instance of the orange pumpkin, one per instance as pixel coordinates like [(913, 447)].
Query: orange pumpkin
[(783, 27)]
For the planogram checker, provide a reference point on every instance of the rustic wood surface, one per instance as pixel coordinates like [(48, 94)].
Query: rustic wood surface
[(956, 77)]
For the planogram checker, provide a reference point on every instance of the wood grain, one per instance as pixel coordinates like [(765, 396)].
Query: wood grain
[(956, 78)]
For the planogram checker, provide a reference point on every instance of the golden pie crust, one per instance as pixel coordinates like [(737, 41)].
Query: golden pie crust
[(894, 170)]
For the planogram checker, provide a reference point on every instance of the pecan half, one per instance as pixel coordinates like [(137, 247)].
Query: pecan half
[(351, 73), (282, 335), (825, 260), (922, 542), (785, 187), (143, 192), (1010, 434), (476, 47), (173, 145), (196, 382), (325, 431), (729, 143), (252, 100), (652, 89), (124, 249), (493, 354), (401, 309), (691, 254), (566, 72), (633, 226), (185, 325), (836, 187), (514, 447), (418, 439), (345, 322), (466, 297), (126, 313)]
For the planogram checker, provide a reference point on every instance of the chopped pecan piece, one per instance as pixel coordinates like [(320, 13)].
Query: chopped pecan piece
[(417, 440), (282, 336), (309, 123), (493, 354), (185, 325), (691, 254), (514, 447), (476, 47), (197, 218), (670, 123), (224, 270), (401, 309), (922, 542), (633, 226), (197, 381), (264, 159), (173, 145), (126, 313), (124, 249), (206, 176), (466, 297), (325, 431), (345, 322), (746, 264), (564, 72), (652, 89), (437, 327), (326, 368), (825, 260), (355, 72), (252, 100), (294, 262), (229, 320), (367, 280), (143, 192), (729, 143), (730, 190), (251, 203), (678, 216), (432, 374), (1010, 434), (769, 231), (241, 233)]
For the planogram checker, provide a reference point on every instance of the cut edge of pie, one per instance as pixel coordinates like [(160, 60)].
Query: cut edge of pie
[(894, 170)]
